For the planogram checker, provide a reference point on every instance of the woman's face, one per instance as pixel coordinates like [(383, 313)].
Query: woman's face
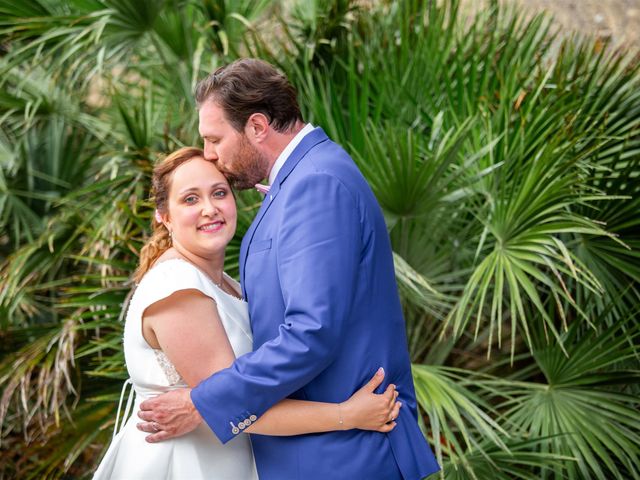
[(201, 209)]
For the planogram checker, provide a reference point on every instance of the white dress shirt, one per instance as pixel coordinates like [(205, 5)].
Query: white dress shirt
[(287, 151)]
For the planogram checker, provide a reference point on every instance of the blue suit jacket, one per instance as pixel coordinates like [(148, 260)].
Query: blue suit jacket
[(317, 270)]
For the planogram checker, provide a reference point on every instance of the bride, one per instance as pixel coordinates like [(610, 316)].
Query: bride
[(186, 320)]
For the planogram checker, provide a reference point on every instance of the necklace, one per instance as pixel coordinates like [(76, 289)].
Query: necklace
[(220, 286)]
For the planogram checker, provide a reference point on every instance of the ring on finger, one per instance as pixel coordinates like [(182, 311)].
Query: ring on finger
[(155, 426)]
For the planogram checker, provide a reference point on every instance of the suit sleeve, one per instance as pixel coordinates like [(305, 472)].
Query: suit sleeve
[(318, 253)]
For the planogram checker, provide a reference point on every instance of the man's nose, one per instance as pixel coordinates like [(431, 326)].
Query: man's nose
[(210, 152)]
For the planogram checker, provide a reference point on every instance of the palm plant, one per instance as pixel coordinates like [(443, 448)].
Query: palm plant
[(506, 163), (494, 160)]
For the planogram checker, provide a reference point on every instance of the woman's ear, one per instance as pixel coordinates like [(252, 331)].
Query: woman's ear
[(164, 219)]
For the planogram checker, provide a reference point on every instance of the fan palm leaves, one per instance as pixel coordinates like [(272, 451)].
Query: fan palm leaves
[(506, 163), (452, 407), (534, 193), (584, 405), (519, 462)]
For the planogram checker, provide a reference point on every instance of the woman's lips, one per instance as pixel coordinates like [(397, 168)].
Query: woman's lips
[(211, 227)]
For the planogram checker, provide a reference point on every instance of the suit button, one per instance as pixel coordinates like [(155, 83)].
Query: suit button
[(241, 425), (235, 430), (247, 422), (253, 418)]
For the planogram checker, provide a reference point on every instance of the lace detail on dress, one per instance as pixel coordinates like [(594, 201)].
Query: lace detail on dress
[(167, 367)]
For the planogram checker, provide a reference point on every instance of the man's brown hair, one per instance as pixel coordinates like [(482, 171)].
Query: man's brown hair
[(249, 86)]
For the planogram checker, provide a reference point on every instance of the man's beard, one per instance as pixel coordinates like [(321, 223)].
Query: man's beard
[(249, 166)]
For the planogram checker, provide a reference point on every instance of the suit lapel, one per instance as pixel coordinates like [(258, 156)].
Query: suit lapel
[(313, 138)]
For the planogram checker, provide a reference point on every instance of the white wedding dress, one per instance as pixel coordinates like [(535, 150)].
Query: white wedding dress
[(199, 454)]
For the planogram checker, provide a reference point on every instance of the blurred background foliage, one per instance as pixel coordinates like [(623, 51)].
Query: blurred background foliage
[(506, 160)]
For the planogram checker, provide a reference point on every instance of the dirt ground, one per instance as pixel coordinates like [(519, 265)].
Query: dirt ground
[(617, 21)]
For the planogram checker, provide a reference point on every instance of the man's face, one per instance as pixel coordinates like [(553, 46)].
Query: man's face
[(233, 154)]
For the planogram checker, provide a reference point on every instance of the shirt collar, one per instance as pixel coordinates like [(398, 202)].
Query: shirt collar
[(287, 151)]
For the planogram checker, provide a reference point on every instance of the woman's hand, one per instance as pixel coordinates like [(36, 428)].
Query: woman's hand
[(366, 410)]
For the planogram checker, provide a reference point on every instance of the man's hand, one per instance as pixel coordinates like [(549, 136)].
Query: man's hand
[(168, 415)]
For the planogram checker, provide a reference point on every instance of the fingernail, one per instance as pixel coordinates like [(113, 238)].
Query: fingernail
[(380, 371)]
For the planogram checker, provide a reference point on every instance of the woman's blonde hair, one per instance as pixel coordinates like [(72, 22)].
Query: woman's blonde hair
[(160, 240)]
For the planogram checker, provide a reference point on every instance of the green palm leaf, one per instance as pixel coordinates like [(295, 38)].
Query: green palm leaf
[(583, 407)]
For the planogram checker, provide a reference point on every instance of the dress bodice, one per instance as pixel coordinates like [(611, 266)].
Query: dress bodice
[(198, 455), (150, 370)]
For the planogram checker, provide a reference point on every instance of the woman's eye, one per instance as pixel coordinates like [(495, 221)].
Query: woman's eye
[(220, 193), (190, 199)]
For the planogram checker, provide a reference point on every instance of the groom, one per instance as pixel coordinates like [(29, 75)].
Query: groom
[(317, 270)]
